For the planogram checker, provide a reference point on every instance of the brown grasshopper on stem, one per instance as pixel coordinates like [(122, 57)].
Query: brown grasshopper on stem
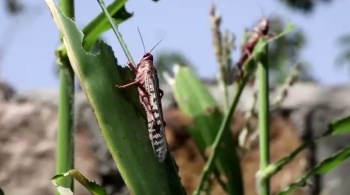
[(150, 97), (261, 30)]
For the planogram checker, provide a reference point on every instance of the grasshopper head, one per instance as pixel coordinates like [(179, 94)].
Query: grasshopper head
[(263, 26), (147, 56)]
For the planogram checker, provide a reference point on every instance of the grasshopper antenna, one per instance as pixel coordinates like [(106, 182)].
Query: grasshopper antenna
[(143, 44), (262, 10), (155, 45)]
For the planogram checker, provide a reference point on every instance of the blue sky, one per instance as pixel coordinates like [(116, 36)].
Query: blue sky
[(28, 63)]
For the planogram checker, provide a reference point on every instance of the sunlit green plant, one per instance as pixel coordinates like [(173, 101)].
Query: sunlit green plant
[(123, 123)]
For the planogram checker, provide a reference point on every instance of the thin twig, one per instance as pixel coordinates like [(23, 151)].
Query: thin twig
[(274, 168), (288, 83), (242, 138), (215, 20), (228, 46), (210, 162), (222, 49)]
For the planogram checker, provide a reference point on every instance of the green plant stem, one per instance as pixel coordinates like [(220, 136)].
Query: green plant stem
[(223, 86), (264, 136), (117, 33), (91, 186), (65, 134), (67, 7), (274, 168), (65, 149), (249, 69), (98, 22), (226, 69), (218, 139)]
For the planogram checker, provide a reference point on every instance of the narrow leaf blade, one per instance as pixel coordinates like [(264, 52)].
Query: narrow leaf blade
[(92, 187), (323, 168), (195, 101), (100, 24), (340, 126)]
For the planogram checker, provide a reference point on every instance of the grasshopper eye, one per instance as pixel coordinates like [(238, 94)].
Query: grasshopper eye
[(148, 56)]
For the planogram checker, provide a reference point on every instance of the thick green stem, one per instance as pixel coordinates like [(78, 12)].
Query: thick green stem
[(67, 7), (65, 134), (264, 141), (65, 137)]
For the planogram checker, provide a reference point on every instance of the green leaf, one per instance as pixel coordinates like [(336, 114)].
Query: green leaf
[(195, 101), (118, 113), (1, 192), (340, 126), (100, 24), (92, 187), (324, 167)]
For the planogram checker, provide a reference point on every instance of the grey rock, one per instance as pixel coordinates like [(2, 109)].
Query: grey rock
[(28, 127), (312, 109), (6, 91)]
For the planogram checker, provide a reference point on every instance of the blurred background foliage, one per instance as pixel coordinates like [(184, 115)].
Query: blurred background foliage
[(304, 6), (13, 7), (284, 53), (166, 59), (343, 58)]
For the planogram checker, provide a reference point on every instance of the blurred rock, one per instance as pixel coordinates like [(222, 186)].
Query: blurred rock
[(6, 91), (283, 141), (28, 127), (311, 109)]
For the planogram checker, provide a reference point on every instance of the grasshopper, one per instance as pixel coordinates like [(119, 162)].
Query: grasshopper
[(261, 30), (150, 97)]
